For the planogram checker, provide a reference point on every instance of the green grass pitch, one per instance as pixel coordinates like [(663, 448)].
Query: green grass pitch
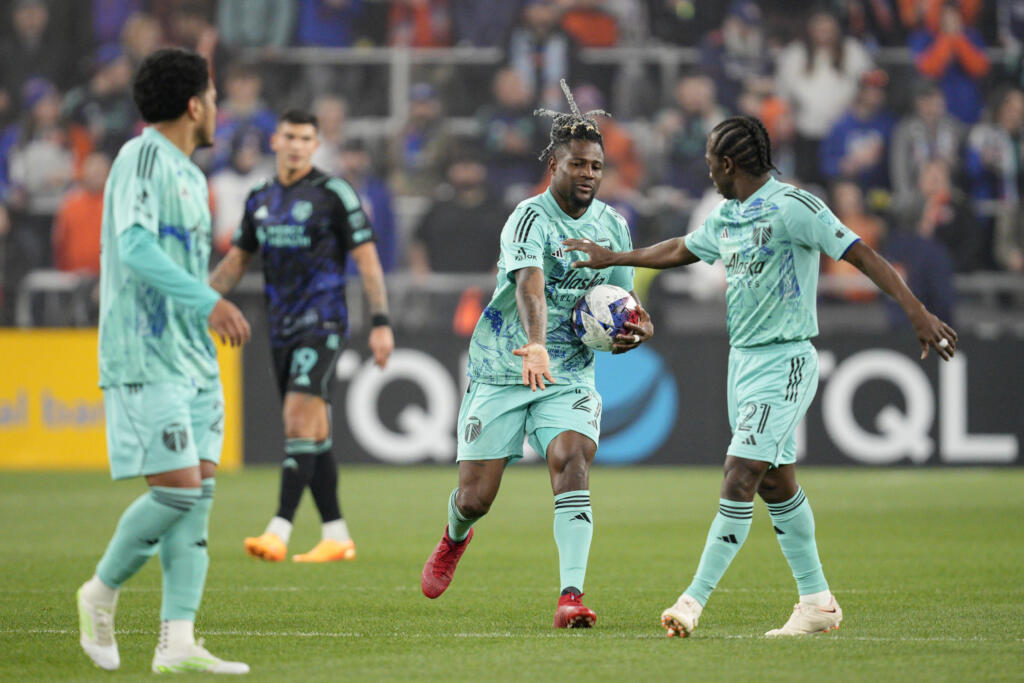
[(927, 565)]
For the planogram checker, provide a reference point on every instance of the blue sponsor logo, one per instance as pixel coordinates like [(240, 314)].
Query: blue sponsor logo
[(640, 405)]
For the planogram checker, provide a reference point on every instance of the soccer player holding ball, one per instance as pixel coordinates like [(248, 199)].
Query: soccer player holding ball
[(769, 235), (303, 223), (529, 373), (158, 365)]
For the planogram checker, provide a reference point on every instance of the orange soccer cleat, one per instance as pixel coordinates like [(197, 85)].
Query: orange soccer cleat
[(268, 547), (329, 550)]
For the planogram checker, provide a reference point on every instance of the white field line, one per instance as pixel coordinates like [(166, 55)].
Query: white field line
[(519, 636)]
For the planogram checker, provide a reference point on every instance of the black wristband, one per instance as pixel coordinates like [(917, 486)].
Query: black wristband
[(380, 320)]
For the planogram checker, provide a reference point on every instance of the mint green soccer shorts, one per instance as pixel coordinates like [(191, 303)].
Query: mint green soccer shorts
[(494, 418), (154, 428), (770, 389)]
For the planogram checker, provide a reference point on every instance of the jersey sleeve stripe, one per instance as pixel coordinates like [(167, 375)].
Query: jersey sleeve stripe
[(811, 198), (348, 196), (527, 215), (528, 226), (141, 161), (803, 201)]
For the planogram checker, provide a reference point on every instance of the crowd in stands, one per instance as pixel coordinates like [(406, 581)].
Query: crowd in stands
[(906, 115)]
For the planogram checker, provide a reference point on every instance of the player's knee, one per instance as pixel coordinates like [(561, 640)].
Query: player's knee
[(740, 481), (473, 503)]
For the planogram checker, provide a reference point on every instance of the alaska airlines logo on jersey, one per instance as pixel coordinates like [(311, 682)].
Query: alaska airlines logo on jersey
[(576, 280), (302, 210), (762, 234), (736, 267)]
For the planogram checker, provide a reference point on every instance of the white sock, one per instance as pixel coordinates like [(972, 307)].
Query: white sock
[(176, 634), (819, 599), (336, 530), (280, 527), (99, 593)]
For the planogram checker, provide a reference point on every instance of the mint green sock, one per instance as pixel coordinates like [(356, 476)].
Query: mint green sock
[(184, 559), (728, 531), (574, 528), (458, 524), (139, 530), (794, 527)]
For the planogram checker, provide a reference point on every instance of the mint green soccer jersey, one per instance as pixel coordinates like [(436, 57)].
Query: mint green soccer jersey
[(770, 245), (144, 335), (533, 236)]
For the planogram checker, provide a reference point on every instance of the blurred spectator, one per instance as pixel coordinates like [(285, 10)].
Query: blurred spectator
[(684, 22), (464, 214), (76, 228), (1009, 238), (920, 254), (419, 23), (818, 75), (331, 112), (953, 54), (418, 151), (36, 171), (242, 108), (929, 133), (141, 35), (32, 51), (995, 169), (109, 18), (190, 27), (848, 204), (231, 185), (927, 14), (1010, 31), (328, 23), (103, 108), (256, 23), (685, 128), (484, 23), (512, 135), (736, 52), (616, 193), (857, 147), (357, 169), (874, 23), (590, 24), (541, 53), (940, 211)]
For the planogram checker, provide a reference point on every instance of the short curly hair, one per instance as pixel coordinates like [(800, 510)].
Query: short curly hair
[(574, 125), (165, 82)]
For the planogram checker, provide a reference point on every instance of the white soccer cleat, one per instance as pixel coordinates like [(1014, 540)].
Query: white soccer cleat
[(194, 659), (808, 619), (96, 628), (681, 618)]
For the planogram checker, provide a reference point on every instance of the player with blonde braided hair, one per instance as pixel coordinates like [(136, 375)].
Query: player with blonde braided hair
[(549, 396)]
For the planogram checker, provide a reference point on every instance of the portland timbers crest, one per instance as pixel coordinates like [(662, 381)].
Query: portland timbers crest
[(301, 210), (762, 234)]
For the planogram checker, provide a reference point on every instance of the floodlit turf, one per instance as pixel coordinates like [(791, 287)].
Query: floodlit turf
[(927, 566)]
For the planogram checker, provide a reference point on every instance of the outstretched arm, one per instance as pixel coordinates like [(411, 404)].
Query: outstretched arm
[(533, 314), (929, 329), (667, 254), (230, 270), (382, 339)]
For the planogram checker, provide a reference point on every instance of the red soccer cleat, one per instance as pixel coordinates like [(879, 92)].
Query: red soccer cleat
[(572, 613), (440, 566)]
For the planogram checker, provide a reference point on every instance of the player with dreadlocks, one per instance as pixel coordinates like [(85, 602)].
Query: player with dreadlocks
[(769, 235), (529, 374)]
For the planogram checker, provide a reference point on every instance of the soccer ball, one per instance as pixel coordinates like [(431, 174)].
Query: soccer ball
[(603, 313)]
